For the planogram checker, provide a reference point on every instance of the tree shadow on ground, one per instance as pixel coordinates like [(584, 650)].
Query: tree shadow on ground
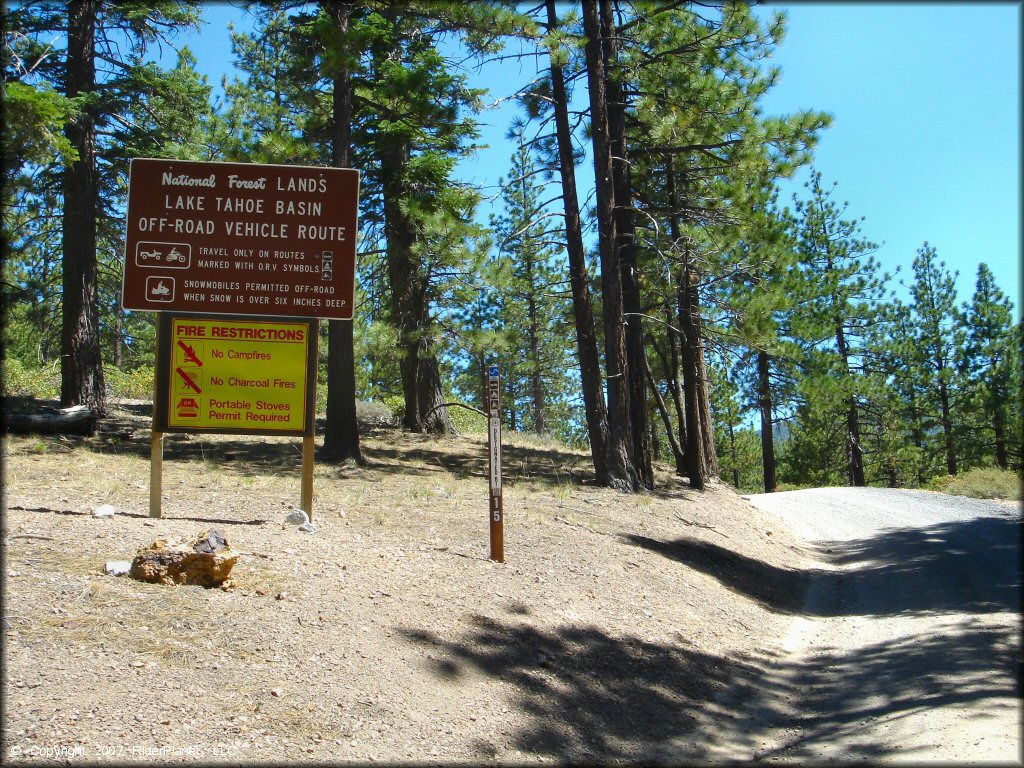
[(211, 520), (520, 463), (778, 589), (965, 663), (591, 697), (898, 572), (126, 430)]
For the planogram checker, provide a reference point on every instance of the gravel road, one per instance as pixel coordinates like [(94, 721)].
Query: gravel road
[(907, 644)]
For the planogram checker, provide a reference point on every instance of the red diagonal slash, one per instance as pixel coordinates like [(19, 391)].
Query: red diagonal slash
[(190, 354), (188, 380)]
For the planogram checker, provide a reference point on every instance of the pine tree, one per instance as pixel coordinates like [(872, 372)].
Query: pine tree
[(421, 128), (697, 118), (990, 358), (938, 335), (270, 108), (838, 310), (622, 466), (102, 74), (759, 303), (896, 415), (532, 306), (595, 408)]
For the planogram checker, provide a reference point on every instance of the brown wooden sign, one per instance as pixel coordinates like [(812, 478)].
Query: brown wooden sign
[(241, 239)]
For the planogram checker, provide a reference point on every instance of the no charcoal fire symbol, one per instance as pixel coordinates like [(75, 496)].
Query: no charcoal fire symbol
[(188, 380)]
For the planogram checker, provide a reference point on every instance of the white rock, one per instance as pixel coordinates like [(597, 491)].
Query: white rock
[(298, 517), (309, 527), (117, 567), (107, 510)]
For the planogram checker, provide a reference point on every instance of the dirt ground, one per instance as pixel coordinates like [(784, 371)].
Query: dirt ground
[(387, 635)]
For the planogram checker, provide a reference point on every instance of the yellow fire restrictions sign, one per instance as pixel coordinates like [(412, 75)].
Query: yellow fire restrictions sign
[(237, 375)]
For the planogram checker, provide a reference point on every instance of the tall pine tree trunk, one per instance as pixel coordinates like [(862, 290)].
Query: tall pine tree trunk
[(999, 429), (670, 365), (433, 416), (659, 401), (696, 469), (533, 341), (672, 368), (764, 405), (625, 245), (341, 433), (81, 358), (947, 423), (410, 301), (409, 304), (707, 424), (620, 449), (855, 452), (691, 352), (582, 306)]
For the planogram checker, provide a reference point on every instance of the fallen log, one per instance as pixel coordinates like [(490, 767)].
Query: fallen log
[(76, 420)]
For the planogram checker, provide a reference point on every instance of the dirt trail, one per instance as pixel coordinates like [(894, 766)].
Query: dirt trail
[(907, 647)]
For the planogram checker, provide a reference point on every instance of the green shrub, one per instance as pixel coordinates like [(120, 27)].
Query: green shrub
[(136, 384), (985, 483), (780, 487), (939, 483), (468, 422), (21, 380), (396, 404)]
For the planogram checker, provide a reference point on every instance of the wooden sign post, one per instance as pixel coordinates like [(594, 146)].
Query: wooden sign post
[(497, 515), (235, 375)]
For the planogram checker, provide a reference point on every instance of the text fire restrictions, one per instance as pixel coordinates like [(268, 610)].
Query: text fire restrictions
[(237, 375), (241, 239)]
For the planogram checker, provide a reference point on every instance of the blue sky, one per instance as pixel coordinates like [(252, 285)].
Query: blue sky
[(925, 142)]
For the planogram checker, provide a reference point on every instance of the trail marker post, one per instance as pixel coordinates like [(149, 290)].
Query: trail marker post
[(497, 514)]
